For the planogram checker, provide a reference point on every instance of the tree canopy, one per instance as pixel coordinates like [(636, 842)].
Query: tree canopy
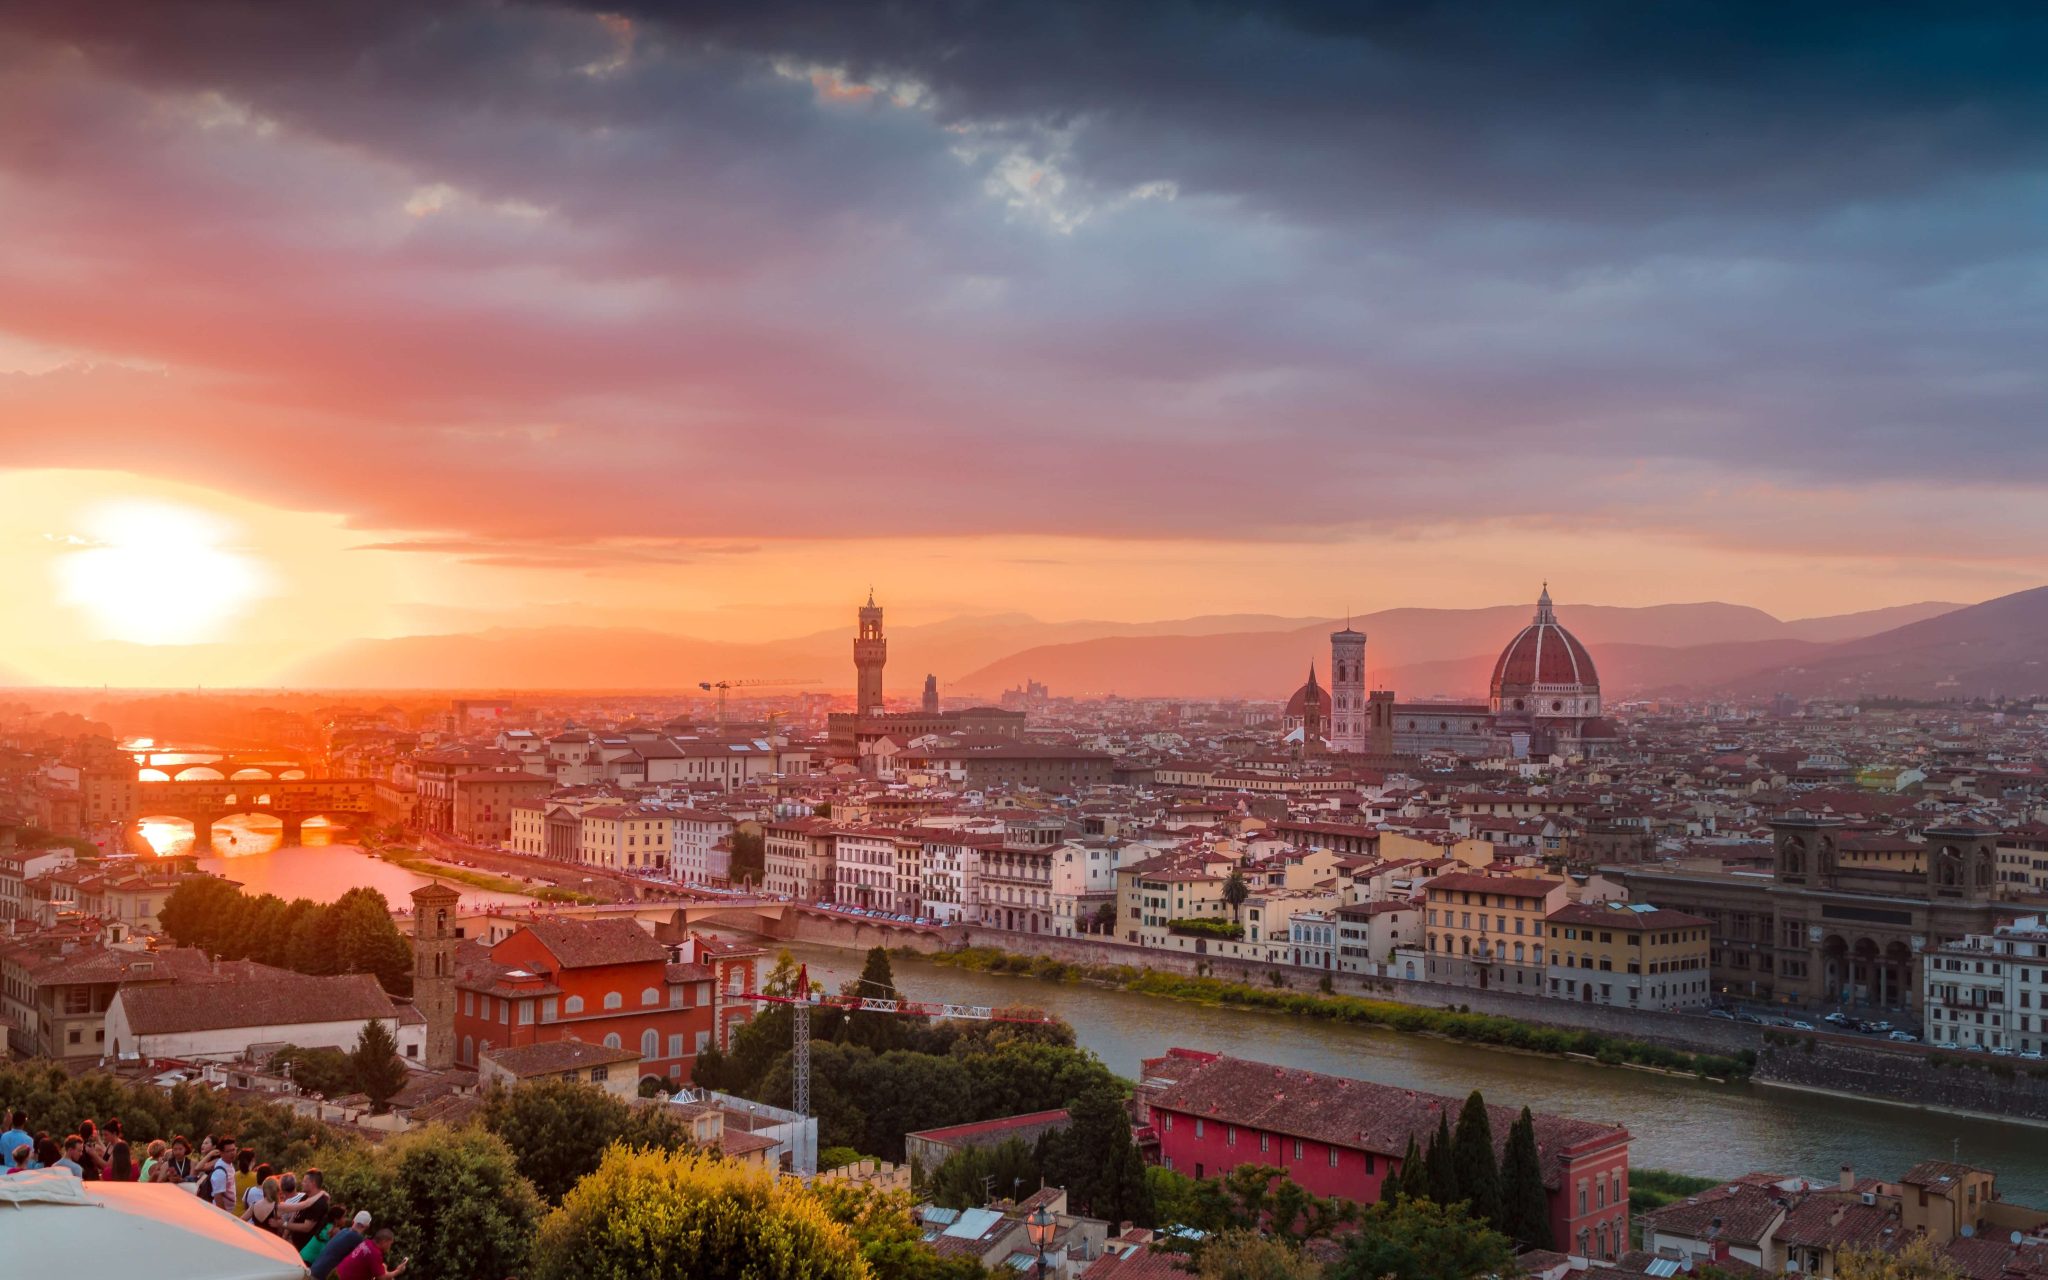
[(353, 934), (650, 1215), (561, 1128), (1422, 1240)]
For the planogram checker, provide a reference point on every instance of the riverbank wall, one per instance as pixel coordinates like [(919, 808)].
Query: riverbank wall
[(1677, 1031), (1989, 1086)]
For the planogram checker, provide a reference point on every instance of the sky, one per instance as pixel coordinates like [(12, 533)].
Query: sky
[(375, 318)]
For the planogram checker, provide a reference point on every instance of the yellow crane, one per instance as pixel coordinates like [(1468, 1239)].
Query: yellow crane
[(723, 685)]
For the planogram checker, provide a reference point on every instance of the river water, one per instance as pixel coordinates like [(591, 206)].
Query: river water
[(1710, 1130)]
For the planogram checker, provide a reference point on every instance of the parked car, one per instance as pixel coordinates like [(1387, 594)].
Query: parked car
[(1749, 1017), (1880, 1026), (1800, 1024), (2031, 1055), (1904, 1037), (1973, 1048), (1839, 1019), (2001, 1051), (1722, 1014)]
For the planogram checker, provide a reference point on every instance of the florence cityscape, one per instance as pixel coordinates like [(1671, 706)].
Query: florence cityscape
[(934, 639)]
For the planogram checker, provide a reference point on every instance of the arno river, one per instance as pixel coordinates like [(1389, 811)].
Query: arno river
[(1712, 1130)]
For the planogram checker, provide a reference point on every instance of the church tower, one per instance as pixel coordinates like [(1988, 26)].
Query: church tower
[(931, 695), (870, 652), (434, 939), (1347, 690)]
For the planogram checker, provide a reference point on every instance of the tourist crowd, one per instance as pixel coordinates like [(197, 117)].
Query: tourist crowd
[(292, 1206)]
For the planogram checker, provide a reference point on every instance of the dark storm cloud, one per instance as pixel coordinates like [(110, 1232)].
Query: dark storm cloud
[(1180, 267)]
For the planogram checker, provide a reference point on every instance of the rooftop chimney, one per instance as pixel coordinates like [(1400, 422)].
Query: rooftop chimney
[(1848, 1178)]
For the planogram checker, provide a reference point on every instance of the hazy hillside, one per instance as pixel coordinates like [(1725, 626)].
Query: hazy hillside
[(2000, 646), (1413, 651), (1853, 626)]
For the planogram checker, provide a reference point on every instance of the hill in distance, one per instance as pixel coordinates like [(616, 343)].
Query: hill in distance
[(1997, 647)]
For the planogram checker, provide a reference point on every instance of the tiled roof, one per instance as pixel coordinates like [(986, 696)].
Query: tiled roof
[(275, 1000), (554, 1056), (585, 944), (1358, 1114)]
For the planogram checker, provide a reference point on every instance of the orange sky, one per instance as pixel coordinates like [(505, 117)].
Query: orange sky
[(265, 587)]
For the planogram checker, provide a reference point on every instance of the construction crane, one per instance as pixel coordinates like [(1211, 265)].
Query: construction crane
[(722, 685), (805, 1000)]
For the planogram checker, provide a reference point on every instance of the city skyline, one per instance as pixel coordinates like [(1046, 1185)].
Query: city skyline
[(440, 319)]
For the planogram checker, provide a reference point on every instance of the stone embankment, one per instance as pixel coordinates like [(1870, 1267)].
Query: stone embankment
[(1978, 1084)]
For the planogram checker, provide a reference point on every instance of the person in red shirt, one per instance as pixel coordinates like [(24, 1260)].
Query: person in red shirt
[(367, 1262)]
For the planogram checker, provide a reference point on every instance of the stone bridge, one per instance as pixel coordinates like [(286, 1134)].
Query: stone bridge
[(269, 764), (291, 801)]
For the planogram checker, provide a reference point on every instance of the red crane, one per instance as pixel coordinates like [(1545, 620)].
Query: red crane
[(801, 1006)]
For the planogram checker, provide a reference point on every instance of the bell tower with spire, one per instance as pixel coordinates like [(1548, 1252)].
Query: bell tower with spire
[(870, 653), (1348, 726)]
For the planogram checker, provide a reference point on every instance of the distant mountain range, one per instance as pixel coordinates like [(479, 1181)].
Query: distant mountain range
[(1445, 652), (1925, 650)]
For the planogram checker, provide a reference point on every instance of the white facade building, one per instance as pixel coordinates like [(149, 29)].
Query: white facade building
[(1987, 990), (694, 840)]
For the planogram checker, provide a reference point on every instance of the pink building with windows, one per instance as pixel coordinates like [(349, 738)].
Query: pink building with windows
[(1342, 1138)]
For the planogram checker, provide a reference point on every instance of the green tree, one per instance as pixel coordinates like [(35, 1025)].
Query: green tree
[(1525, 1207), (1917, 1261), (374, 1062), (1422, 1240), (749, 857), (890, 1242), (1236, 890), (367, 941), (878, 1031), (328, 1072), (1478, 1169), (560, 1128), (682, 1216), (1095, 1159), (1442, 1163), (1414, 1173), (782, 979), (972, 1176), (1391, 1184), (1249, 1255), (454, 1196)]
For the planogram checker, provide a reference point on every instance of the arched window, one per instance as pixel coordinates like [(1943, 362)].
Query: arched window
[(613, 1000), (469, 1049), (612, 1041), (650, 997), (573, 1004), (650, 1044)]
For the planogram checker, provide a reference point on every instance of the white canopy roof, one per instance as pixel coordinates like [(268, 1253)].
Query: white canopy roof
[(50, 1220)]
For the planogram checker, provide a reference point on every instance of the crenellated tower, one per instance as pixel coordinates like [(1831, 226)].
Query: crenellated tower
[(1348, 726), (870, 653)]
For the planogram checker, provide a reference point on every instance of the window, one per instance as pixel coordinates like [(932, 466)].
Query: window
[(650, 1043), (573, 1004), (1297, 1148), (650, 997), (1198, 1126), (675, 1045), (613, 1000), (1263, 1138), (598, 1075), (469, 1049), (1230, 1135), (1333, 1157), (703, 1041), (469, 1003), (547, 1009), (612, 1041)]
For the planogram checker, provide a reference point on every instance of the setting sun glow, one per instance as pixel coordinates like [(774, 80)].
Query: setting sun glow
[(158, 573)]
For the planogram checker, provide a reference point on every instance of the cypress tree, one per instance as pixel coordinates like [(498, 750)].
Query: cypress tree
[(1525, 1207), (1443, 1164), (1394, 1185), (1414, 1173), (1478, 1170)]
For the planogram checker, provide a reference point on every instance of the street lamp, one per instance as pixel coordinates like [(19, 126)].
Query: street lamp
[(1041, 1226)]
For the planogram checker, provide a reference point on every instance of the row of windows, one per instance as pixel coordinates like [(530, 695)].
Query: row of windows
[(474, 1005)]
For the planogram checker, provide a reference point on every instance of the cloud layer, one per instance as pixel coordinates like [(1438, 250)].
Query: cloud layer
[(616, 282)]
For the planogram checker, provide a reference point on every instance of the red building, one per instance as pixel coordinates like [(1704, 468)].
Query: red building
[(735, 968), (601, 981), (1342, 1138)]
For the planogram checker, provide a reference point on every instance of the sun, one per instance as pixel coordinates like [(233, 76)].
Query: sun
[(158, 573)]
